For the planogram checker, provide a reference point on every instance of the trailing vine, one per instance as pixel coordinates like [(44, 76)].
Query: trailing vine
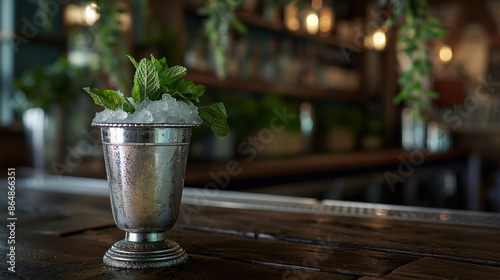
[(221, 16), (416, 30), (111, 43), (415, 27)]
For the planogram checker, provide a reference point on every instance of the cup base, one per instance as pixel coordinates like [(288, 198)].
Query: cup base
[(138, 255)]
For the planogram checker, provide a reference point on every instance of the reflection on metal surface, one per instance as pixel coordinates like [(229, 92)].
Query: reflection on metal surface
[(145, 167), (444, 216), (380, 212), (253, 201)]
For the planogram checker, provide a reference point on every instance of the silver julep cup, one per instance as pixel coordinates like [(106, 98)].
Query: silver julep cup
[(145, 166)]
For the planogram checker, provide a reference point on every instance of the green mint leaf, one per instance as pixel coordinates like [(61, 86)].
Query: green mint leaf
[(110, 99), (136, 95), (133, 61), (172, 74), (215, 117), (147, 81), (187, 90), (152, 79), (160, 65), (163, 62), (156, 64), (180, 97)]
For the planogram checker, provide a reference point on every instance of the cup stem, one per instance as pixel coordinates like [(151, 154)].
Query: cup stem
[(145, 236)]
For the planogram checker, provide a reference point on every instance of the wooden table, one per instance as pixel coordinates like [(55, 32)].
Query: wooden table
[(64, 236)]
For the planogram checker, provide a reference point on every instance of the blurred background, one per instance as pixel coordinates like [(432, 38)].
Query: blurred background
[(309, 89)]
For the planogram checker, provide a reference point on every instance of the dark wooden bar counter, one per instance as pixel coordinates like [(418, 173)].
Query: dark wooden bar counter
[(64, 236)]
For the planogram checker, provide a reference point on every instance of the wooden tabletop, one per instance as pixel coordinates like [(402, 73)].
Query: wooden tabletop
[(64, 236)]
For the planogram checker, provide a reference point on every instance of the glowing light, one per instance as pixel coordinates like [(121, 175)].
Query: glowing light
[(444, 216), (445, 53), (317, 4), (380, 212), (312, 23), (291, 17), (126, 21), (325, 21), (91, 15), (293, 24), (379, 40)]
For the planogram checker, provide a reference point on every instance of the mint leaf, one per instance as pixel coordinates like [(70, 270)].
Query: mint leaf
[(152, 79), (215, 117), (133, 61), (163, 62), (147, 81), (186, 90), (169, 75), (136, 95), (159, 64), (110, 99)]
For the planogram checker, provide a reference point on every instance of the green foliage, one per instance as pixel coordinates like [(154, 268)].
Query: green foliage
[(339, 115), (110, 41), (267, 111), (45, 86), (214, 116), (152, 79), (416, 30), (221, 17), (110, 99), (186, 91), (146, 82)]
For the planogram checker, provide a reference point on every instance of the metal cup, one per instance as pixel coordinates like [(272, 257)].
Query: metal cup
[(145, 166)]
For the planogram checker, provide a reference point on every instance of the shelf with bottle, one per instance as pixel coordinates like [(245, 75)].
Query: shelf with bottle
[(211, 81), (273, 21), (269, 59), (262, 63), (198, 173)]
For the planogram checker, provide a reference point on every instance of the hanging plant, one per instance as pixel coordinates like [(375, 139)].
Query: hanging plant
[(221, 17), (416, 30)]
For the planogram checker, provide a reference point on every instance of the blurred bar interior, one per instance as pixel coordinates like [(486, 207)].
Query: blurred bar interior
[(309, 92)]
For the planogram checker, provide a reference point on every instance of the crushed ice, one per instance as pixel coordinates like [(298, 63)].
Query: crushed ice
[(167, 110)]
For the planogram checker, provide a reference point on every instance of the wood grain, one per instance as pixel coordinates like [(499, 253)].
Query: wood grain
[(466, 243), (307, 257), (63, 258), (63, 236), (431, 268)]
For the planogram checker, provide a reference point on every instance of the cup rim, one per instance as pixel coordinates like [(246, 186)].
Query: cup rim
[(144, 125)]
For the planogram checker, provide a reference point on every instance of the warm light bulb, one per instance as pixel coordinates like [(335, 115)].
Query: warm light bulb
[(317, 4), (379, 40), (445, 53), (290, 17), (312, 23), (325, 21), (293, 24), (91, 15)]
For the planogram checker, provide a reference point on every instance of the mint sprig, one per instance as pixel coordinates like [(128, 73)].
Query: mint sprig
[(110, 99), (214, 116), (152, 79), (146, 82)]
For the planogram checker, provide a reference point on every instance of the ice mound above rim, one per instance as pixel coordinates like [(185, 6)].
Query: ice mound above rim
[(167, 110)]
